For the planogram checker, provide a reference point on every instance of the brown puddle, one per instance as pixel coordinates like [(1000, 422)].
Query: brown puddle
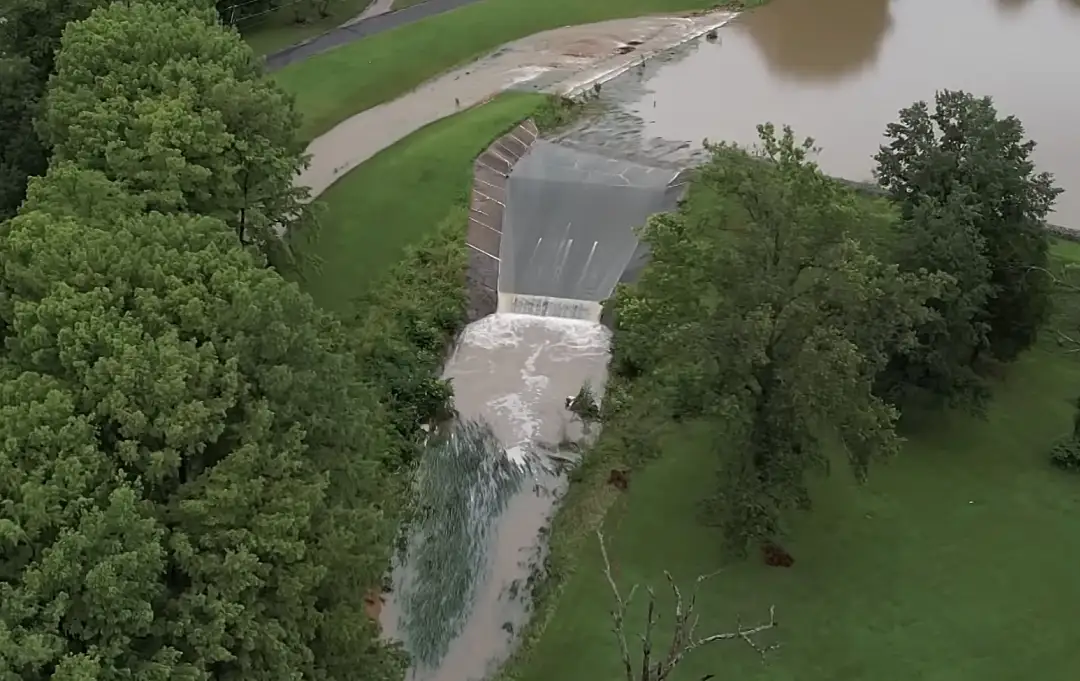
[(839, 70)]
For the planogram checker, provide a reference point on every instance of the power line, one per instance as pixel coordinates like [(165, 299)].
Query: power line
[(230, 11)]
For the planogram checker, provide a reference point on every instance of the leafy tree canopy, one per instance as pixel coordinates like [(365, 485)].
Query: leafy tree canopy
[(761, 313), (174, 106), (194, 482), (963, 176)]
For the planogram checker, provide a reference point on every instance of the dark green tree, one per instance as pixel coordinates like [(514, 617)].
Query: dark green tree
[(942, 367), (761, 313), (962, 157), (29, 37), (174, 106), (196, 482), (21, 153)]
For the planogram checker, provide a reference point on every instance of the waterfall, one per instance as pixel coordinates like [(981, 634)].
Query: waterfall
[(547, 306)]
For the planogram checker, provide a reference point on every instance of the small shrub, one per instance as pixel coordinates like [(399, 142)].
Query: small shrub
[(1066, 455)]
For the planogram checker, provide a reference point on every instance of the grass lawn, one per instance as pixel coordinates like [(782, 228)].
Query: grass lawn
[(957, 561), (333, 86), (278, 29), (398, 196)]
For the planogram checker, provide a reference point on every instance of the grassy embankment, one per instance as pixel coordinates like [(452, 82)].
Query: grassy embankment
[(956, 561), (333, 86), (399, 196), (279, 29)]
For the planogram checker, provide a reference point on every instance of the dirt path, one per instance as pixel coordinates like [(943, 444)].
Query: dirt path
[(577, 56)]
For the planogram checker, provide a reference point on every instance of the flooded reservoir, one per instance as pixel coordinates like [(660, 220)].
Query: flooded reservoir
[(840, 70)]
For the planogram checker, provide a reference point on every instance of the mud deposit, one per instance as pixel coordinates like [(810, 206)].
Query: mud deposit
[(488, 488)]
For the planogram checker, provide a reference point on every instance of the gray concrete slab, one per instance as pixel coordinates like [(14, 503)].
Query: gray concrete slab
[(569, 228)]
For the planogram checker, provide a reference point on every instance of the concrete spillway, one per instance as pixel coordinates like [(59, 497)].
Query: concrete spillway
[(569, 227), (552, 230)]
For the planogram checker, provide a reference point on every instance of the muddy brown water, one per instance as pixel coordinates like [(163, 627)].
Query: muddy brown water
[(513, 372), (839, 70)]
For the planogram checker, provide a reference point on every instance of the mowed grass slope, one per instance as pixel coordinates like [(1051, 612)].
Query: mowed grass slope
[(331, 87), (398, 196), (279, 29), (957, 561)]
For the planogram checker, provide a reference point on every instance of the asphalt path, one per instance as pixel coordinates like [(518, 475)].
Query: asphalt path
[(365, 28)]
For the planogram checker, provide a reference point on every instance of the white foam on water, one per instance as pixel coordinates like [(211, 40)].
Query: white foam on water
[(517, 411), (550, 306), (522, 344), (506, 329)]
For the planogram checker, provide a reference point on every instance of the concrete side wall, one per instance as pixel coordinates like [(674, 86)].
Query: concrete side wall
[(484, 239)]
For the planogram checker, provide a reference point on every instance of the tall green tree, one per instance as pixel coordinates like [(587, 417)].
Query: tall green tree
[(942, 368), (195, 481), (21, 153), (963, 156), (30, 33), (761, 313), (175, 107)]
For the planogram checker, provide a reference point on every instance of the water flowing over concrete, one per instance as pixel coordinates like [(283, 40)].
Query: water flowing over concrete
[(546, 306), (839, 70), (570, 219), (458, 612)]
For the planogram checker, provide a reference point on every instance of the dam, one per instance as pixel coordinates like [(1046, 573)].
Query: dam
[(553, 229)]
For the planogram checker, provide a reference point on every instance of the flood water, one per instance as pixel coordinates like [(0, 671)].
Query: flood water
[(459, 601), (839, 71)]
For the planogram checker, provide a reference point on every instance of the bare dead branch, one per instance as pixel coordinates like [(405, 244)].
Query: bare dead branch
[(1064, 338), (618, 615), (1055, 279), (683, 638)]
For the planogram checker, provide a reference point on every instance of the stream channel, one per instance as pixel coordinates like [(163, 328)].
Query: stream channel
[(836, 70)]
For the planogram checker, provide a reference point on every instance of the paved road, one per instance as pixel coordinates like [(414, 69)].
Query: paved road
[(361, 29)]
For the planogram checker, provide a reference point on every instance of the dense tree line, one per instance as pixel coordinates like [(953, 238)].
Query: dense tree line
[(795, 314), (243, 12), (200, 477)]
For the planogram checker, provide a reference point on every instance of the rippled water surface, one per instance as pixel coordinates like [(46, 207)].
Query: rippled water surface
[(487, 489), (839, 70)]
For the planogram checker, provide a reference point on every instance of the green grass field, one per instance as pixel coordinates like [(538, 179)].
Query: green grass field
[(400, 195), (333, 86), (277, 30), (957, 561)]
